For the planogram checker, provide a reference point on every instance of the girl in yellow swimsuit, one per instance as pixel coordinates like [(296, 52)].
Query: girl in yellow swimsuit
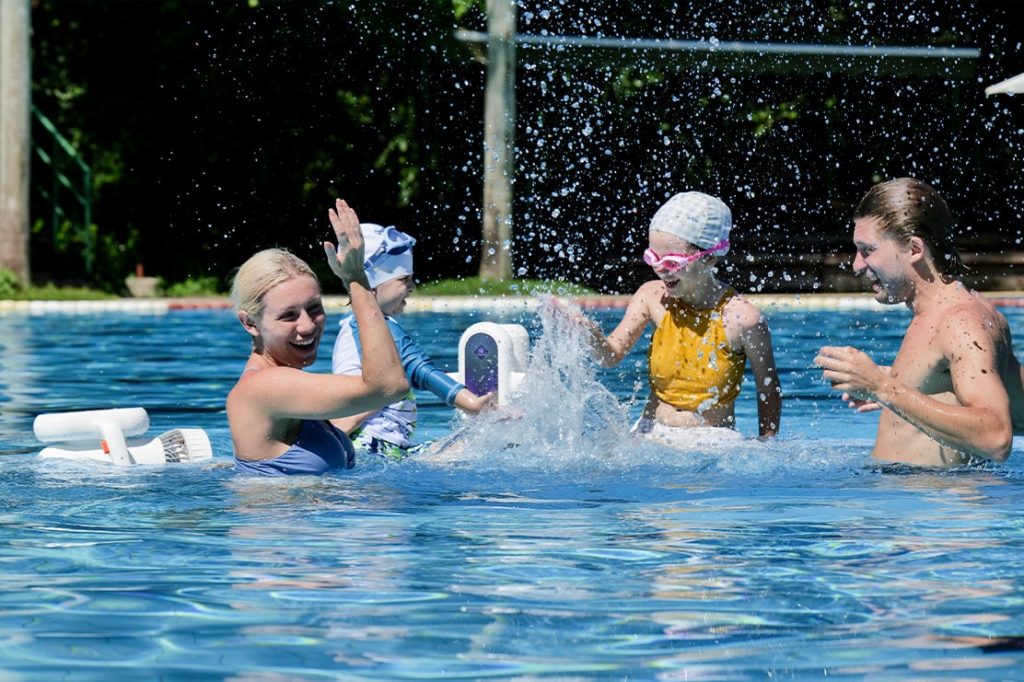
[(705, 332)]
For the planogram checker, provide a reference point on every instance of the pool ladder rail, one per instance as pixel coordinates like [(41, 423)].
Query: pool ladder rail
[(103, 436)]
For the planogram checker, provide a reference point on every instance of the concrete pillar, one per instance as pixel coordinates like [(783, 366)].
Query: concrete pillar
[(15, 134), (499, 132)]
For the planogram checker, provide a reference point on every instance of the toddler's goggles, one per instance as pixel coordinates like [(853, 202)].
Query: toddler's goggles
[(678, 261)]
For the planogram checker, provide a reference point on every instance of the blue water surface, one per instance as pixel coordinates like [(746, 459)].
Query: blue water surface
[(573, 553)]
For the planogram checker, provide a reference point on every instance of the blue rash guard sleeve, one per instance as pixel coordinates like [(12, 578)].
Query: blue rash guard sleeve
[(420, 369)]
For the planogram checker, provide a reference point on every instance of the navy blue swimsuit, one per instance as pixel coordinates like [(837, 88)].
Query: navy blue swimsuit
[(320, 447)]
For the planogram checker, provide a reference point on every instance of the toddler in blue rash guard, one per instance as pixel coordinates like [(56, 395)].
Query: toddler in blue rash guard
[(388, 431)]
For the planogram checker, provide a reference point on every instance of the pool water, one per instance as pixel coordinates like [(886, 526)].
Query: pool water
[(548, 544)]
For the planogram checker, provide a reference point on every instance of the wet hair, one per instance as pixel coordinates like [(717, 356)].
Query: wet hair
[(907, 208), (261, 273)]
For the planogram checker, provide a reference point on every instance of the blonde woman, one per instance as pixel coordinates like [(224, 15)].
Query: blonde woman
[(279, 413)]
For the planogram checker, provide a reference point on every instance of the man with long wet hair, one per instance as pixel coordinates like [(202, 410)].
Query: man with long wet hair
[(954, 391)]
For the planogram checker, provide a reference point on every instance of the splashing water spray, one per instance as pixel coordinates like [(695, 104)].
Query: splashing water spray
[(558, 413)]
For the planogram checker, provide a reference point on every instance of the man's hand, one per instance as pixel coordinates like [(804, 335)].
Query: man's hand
[(854, 373), (861, 405)]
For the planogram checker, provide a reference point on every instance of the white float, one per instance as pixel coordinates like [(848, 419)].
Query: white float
[(493, 357), (103, 436)]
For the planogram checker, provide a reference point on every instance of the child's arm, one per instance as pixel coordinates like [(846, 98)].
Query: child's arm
[(470, 402), (465, 400), (350, 424), (424, 375), (611, 349), (756, 340)]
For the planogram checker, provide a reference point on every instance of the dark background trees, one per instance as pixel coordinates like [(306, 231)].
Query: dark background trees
[(218, 129)]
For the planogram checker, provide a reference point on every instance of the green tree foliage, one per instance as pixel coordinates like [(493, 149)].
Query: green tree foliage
[(791, 151), (10, 284), (218, 129), (221, 128)]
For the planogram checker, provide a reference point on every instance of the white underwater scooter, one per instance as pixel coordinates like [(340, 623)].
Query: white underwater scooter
[(493, 357), (101, 436)]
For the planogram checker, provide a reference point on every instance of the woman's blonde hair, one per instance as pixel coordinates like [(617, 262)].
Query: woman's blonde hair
[(261, 273)]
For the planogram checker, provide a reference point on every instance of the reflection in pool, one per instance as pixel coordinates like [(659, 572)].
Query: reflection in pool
[(556, 547)]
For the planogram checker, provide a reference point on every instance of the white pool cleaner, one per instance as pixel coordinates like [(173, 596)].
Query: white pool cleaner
[(102, 436), (493, 357)]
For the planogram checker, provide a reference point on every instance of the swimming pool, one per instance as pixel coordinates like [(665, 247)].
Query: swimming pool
[(577, 553)]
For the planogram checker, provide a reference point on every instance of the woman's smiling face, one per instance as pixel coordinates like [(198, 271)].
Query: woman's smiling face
[(292, 322)]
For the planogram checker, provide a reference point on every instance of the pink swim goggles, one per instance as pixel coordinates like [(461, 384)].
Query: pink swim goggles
[(678, 261)]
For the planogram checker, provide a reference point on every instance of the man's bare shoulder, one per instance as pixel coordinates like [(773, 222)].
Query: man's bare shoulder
[(958, 300), (971, 322), (974, 308)]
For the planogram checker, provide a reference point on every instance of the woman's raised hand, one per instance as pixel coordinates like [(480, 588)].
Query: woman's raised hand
[(346, 260)]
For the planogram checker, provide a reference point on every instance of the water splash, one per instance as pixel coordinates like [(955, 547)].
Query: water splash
[(560, 412), (563, 419)]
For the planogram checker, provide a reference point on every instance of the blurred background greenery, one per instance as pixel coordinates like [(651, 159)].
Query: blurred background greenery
[(217, 129)]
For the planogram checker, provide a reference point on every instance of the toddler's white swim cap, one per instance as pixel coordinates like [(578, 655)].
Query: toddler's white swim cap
[(388, 253)]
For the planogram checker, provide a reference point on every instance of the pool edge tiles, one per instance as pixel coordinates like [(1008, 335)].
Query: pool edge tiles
[(117, 305), (457, 304)]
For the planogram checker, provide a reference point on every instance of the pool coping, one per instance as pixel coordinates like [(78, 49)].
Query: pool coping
[(459, 304)]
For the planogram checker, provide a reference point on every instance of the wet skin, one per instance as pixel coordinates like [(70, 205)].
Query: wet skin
[(954, 390)]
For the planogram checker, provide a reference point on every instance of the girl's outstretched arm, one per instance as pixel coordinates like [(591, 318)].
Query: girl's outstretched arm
[(611, 349)]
